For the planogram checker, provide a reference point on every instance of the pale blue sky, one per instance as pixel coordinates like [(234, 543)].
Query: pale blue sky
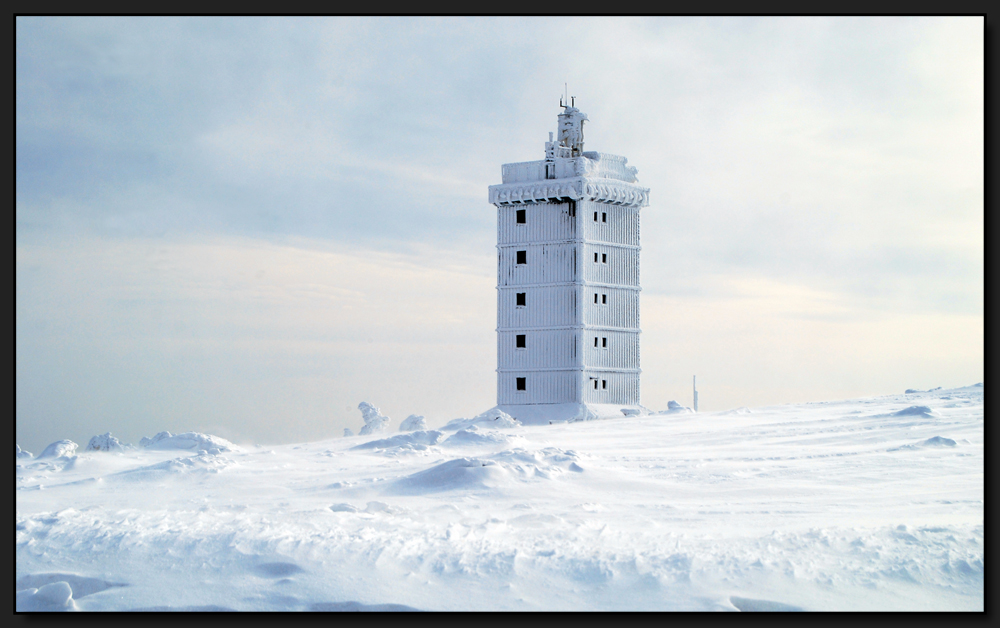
[(250, 225)]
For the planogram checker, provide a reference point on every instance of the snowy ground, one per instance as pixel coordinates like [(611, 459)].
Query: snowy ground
[(846, 505)]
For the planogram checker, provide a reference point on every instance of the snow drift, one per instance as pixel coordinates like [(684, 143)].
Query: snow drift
[(492, 418), (191, 441)]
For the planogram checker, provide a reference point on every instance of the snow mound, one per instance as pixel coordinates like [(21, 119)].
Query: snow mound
[(737, 411), (911, 391), (59, 449), (675, 408), (104, 442), (490, 472), (343, 508), (410, 440), (472, 436), (937, 441), (20, 453), (375, 421), (191, 441), (915, 411), (413, 423), (54, 597), (494, 417)]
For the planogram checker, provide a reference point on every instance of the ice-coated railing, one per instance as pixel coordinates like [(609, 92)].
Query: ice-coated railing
[(524, 171)]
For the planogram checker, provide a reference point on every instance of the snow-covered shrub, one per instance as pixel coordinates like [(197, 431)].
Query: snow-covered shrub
[(413, 423), (104, 442), (375, 421), (59, 449)]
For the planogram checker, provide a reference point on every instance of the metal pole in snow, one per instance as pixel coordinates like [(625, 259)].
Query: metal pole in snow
[(694, 385)]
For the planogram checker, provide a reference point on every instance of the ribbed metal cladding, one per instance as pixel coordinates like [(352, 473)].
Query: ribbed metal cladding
[(621, 388), (610, 349), (544, 222), (621, 309), (542, 349), (552, 306), (544, 263), (610, 264), (622, 226), (540, 387)]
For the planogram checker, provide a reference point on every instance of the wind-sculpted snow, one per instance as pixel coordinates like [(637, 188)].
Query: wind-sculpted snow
[(409, 440), (21, 454), (50, 598), (189, 441), (491, 472), (837, 505), (493, 418), (473, 437)]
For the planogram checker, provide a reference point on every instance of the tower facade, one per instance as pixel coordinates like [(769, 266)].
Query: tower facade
[(568, 282)]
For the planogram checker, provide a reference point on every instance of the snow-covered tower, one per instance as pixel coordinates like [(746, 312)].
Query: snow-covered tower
[(568, 281)]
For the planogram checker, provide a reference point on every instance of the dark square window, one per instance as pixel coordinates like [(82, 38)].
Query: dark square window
[(521, 385), (604, 298), (595, 216), (604, 383), (522, 257), (522, 216), (604, 216), (604, 342), (520, 341), (521, 298), (604, 258), (595, 384)]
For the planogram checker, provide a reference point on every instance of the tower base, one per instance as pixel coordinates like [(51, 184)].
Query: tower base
[(545, 413)]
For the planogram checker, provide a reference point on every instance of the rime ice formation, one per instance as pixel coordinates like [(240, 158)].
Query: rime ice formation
[(375, 421), (568, 282), (21, 454), (59, 449), (104, 442), (413, 423)]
